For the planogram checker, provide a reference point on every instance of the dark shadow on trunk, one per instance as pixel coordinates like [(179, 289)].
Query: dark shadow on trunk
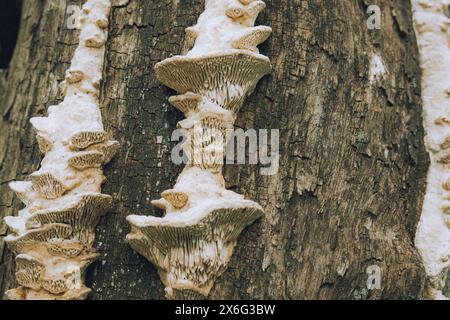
[(9, 29)]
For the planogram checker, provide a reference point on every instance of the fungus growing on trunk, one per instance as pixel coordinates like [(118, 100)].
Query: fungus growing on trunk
[(193, 243), (54, 234), (433, 233)]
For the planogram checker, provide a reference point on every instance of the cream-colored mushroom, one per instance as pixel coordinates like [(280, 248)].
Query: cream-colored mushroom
[(53, 235), (193, 243)]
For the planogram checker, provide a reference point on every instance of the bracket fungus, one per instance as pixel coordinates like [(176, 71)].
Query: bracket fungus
[(432, 26), (193, 243), (53, 235)]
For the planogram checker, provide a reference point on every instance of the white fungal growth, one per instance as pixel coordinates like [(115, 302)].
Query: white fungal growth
[(53, 235), (433, 233), (377, 71), (228, 24), (193, 243)]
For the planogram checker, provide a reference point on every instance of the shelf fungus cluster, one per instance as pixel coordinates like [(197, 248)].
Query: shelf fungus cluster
[(432, 24), (53, 235), (192, 244)]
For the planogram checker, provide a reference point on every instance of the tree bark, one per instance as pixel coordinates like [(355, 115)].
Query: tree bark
[(349, 191)]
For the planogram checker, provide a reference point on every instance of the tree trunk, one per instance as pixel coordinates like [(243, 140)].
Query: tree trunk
[(349, 191)]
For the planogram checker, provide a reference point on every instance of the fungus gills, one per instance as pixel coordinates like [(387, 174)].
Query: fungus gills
[(193, 243), (53, 235)]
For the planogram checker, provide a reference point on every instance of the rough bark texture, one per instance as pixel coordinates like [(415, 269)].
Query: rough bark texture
[(352, 166)]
